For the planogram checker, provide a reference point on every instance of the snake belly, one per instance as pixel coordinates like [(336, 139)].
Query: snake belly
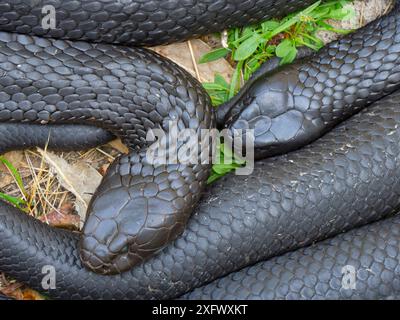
[(138, 22), (140, 206)]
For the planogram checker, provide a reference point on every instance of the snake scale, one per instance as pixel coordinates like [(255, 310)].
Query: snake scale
[(348, 178), (139, 22), (317, 272), (126, 91)]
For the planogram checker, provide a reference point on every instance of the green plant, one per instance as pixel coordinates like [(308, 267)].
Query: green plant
[(20, 203), (218, 90), (249, 47), (228, 161)]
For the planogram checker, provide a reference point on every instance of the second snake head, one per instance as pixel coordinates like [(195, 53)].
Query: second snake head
[(278, 112)]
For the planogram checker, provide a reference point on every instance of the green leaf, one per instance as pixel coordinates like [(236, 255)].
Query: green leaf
[(224, 168), (248, 47), (290, 56), (311, 8), (218, 79), (15, 174), (342, 14), (218, 90), (213, 177), (284, 26), (283, 48), (235, 80), (298, 17), (310, 41), (251, 47), (228, 153), (228, 162), (213, 86), (13, 200), (214, 55), (248, 31), (287, 51), (325, 26), (269, 25)]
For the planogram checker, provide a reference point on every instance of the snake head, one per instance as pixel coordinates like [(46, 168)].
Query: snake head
[(280, 119), (136, 212)]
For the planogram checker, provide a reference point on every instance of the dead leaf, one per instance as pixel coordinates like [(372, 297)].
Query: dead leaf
[(79, 178), (180, 53), (62, 218), (119, 146), (29, 294), (17, 290), (103, 169)]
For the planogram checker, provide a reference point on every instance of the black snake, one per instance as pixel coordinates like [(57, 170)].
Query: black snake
[(347, 178)]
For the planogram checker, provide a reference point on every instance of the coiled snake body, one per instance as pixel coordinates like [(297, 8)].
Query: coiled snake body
[(348, 178)]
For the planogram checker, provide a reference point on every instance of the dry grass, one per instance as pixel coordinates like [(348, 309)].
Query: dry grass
[(43, 190), (45, 196)]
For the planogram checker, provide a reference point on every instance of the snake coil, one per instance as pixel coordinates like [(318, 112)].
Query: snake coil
[(348, 178)]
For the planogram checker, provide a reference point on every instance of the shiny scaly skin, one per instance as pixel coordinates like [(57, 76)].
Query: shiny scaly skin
[(348, 178), (139, 207), (292, 106), (55, 137), (361, 264), (139, 22)]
